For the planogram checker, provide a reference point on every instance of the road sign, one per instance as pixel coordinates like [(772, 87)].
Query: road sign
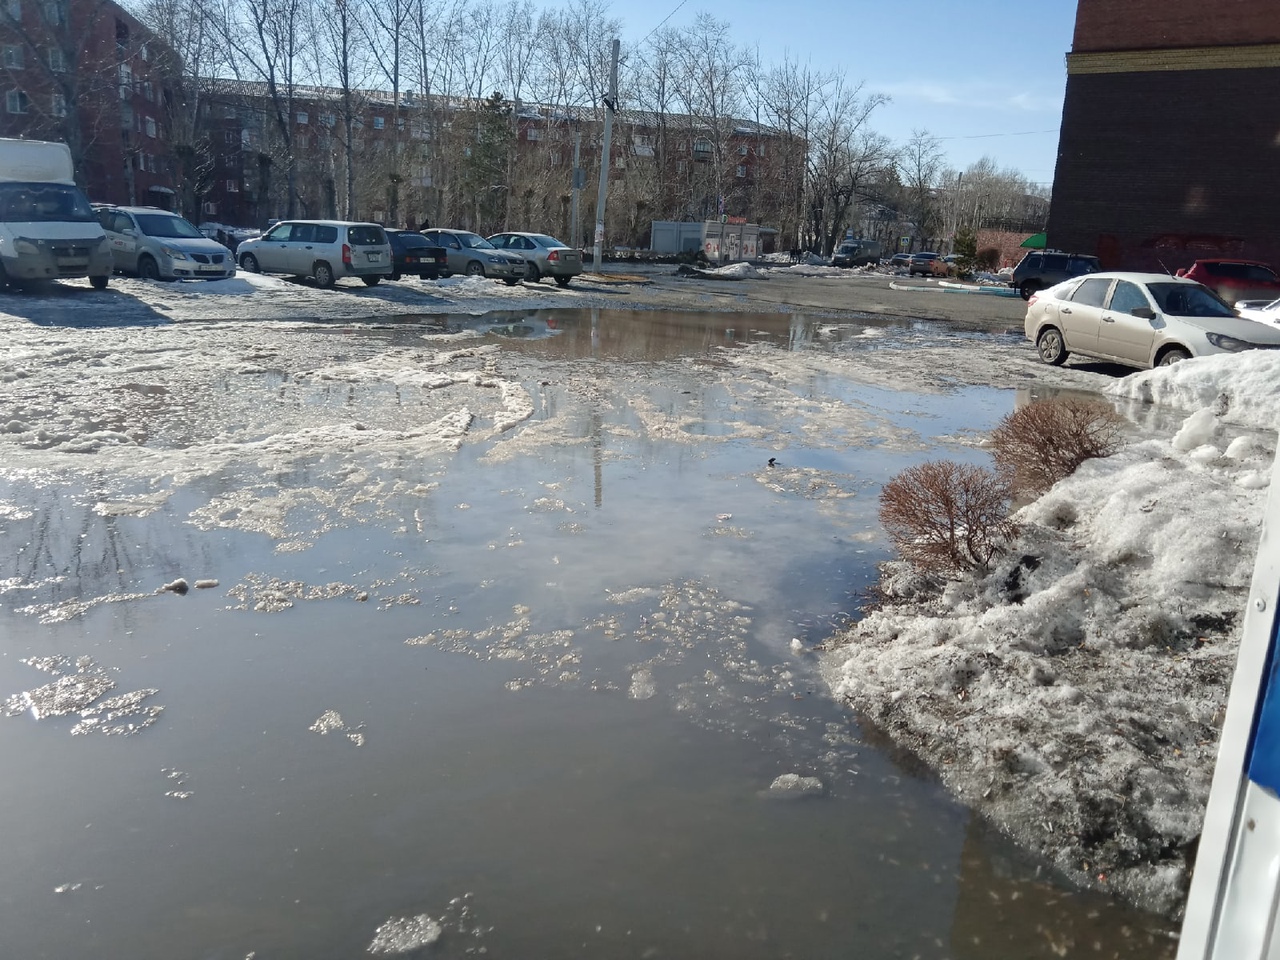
[(724, 218), (1232, 908)]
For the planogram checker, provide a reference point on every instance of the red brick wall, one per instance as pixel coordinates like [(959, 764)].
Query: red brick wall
[(1161, 167), (1160, 24)]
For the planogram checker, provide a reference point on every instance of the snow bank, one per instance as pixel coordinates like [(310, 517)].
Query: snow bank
[(1073, 694), (738, 271), (1238, 387)]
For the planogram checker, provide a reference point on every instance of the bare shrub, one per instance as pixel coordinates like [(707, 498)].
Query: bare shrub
[(1047, 439), (947, 517)]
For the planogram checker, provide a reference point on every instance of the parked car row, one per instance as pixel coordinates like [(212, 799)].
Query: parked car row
[(157, 244)]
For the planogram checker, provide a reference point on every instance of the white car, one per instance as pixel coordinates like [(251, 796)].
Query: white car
[(159, 245), (1263, 311), (1138, 319), (324, 249)]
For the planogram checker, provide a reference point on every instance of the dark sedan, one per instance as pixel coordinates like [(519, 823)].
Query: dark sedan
[(413, 254)]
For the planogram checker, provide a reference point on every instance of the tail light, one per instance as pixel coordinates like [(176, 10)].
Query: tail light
[(553, 255), (346, 254), (1032, 302)]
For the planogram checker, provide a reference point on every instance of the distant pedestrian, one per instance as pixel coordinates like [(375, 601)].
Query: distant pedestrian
[(425, 224)]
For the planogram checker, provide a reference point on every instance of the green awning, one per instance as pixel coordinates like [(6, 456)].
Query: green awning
[(1035, 241)]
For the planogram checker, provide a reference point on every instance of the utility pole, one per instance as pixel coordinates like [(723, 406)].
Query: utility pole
[(611, 105), (575, 235)]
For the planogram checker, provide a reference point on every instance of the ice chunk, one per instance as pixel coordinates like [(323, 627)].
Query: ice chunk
[(1197, 430), (405, 934), (792, 785)]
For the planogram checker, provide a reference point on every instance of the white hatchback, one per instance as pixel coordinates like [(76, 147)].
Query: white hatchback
[(1138, 319), (324, 249)]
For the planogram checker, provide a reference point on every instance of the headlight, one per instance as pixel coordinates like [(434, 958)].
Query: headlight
[(29, 247), (1230, 344), (495, 259), (173, 254)]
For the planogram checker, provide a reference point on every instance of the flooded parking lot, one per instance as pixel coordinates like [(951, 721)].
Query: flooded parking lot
[(482, 635)]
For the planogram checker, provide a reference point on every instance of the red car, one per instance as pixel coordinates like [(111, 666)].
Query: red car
[(1234, 280)]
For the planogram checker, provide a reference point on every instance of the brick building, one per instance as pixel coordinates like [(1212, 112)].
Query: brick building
[(87, 73), (1169, 143), (430, 149)]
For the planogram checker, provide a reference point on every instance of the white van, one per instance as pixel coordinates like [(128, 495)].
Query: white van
[(48, 231)]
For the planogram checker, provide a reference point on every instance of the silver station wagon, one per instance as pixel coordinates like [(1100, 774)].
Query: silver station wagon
[(324, 249)]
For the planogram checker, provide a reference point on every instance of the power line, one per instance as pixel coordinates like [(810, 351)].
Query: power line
[(986, 136), (663, 20)]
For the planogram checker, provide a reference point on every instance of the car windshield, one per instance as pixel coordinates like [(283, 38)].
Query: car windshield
[(543, 240), (475, 241), (166, 225), (410, 239), (366, 235), (43, 202), (1188, 300)]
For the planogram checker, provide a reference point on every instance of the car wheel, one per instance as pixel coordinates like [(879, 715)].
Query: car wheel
[(148, 269), (249, 262), (323, 274), (510, 281), (1172, 356), (563, 281), (372, 281), (1027, 288), (99, 283), (1050, 346), (475, 269), (532, 273)]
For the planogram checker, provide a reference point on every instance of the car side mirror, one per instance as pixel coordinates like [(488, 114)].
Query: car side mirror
[(1143, 313)]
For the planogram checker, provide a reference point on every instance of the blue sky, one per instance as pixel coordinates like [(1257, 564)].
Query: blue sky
[(986, 76)]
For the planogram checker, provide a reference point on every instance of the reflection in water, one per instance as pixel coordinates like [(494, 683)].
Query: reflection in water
[(566, 704)]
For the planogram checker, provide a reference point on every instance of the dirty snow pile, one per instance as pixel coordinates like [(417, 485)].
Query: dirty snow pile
[(1073, 694), (735, 271)]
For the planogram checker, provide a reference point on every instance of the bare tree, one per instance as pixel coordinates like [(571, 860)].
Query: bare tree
[(264, 43), (919, 164)]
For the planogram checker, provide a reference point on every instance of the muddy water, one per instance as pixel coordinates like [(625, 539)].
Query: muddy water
[(504, 664)]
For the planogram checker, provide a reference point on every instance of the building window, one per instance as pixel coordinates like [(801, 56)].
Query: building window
[(759, 149), (682, 166), (16, 101), (12, 57), (741, 170), (144, 53), (148, 91), (149, 162), (533, 133), (742, 150), (379, 123), (59, 105), (302, 117), (227, 112), (55, 14), (57, 60), (126, 81), (210, 207), (328, 120), (151, 126), (15, 10), (400, 123), (233, 186)]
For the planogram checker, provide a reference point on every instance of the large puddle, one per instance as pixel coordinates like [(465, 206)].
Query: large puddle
[(483, 636)]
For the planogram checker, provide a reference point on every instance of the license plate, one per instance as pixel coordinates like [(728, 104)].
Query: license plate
[(72, 262), (374, 256)]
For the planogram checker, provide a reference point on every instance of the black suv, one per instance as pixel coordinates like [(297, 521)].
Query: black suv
[(1044, 268)]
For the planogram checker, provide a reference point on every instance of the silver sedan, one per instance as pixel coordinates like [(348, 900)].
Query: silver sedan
[(546, 256)]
